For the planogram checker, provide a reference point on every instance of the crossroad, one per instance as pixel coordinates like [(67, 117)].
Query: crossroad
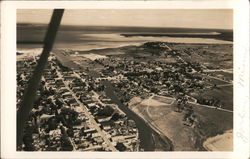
[(90, 117)]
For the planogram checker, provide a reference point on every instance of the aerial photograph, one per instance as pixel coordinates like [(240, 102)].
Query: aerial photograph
[(128, 80)]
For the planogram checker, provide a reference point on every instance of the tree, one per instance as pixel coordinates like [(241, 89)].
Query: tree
[(106, 111), (120, 146), (66, 145), (115, 116)]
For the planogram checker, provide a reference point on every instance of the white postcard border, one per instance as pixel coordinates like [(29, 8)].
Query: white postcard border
[(241, 75)]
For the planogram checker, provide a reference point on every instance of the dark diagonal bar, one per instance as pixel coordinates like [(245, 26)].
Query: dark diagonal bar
[(30, 93)]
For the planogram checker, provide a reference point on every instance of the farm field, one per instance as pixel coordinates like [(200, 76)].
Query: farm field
[(168, 122), (223, 93)]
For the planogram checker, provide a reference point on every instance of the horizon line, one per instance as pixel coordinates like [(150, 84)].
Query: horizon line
[(159, 27)]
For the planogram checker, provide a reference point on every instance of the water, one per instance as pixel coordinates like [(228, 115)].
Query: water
[(146, 133), (88, 38), (150, 139)]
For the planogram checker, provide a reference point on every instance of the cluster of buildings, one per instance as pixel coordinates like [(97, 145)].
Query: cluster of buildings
[(72, 113), (152, 76), (24, 72), (142, 77)]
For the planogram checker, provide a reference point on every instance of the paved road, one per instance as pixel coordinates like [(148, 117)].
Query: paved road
[(219, 70), (212, 107), (90, 117), (219, 79), (223, 85)]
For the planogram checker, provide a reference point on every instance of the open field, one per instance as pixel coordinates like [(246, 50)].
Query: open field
[(212, 56), (66, 61), (222, 74), (157, 101), (170, 123), (224, 94), (163, 99), (128, 80), (160, 112), (215, 81), (219, 120), (78, 62), (218, 142)]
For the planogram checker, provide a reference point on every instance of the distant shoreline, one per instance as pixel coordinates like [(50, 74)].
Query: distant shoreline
[(101, 50), (220, 36), (125, 28)]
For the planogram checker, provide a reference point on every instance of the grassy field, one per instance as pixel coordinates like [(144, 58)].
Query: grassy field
[(219, 120), (185, 138), (213, 56), (215, 81), (66, 60), (226, 75), (78, 62), (212, 122), (224, 94), (170, 124), (160, 112), (163, 99)]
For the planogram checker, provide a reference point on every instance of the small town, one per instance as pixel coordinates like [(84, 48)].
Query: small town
[(69, 115), (178, 79), (124, 80), (73, 111)]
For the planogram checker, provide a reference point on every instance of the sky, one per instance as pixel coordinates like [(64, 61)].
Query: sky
[(186, 18)]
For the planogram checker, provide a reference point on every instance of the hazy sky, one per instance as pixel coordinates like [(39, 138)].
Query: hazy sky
[(188, 18)]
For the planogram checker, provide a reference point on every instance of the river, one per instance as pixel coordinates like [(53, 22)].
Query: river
[(150, 140), (147, 135)]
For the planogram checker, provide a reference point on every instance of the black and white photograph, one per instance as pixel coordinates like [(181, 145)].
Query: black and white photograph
[(124, 79)]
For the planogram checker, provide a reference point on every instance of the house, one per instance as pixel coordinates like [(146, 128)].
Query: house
[(67, 95), (59, 82), (119, 138), (102, 119), (68, 78), (98, 139), (91, 105), (90, 131), (94, 135), (106, 125)]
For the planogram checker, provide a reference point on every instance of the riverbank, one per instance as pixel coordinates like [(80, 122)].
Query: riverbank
[(148, 134), (168, 123), (150, 139), (161, 127)]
